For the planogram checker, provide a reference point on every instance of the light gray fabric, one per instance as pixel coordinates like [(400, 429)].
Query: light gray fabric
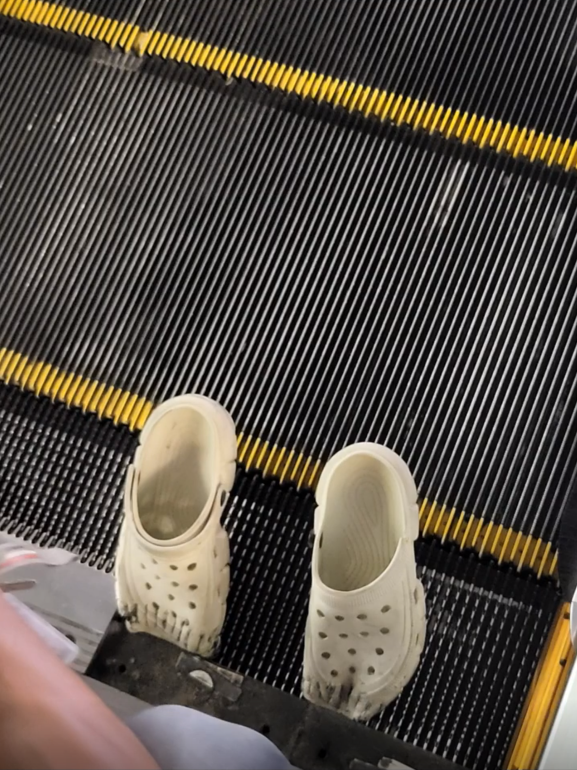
[(120, 703), (180, 738)]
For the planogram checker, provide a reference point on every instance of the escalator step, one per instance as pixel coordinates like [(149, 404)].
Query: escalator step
[(61, 476), (510, 61), (61, 482), (327, 278)]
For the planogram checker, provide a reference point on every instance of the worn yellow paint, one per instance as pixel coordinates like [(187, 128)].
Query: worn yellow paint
[(87, 394), (469, 532), (277, 461), (518, 141), (487, 538), (544, 695)]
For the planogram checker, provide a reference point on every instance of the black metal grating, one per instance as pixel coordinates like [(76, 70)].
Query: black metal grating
[(61, 476), (512, 61), (61, 482), (326, 278), (486, 628)]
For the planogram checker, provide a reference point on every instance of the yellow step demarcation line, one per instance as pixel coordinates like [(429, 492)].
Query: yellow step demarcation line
[(383, 105), (74, 390), (287, 465), (544, 696)]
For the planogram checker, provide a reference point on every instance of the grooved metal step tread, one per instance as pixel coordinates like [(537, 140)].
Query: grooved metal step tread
[(328, 279), (510, 62)]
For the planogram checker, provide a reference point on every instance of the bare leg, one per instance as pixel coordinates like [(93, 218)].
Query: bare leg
[(48, 717)]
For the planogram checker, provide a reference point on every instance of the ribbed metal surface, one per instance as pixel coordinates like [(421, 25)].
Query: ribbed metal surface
[(512, 61), (61, 481), (485, 629), (327, 279), (61, 476)]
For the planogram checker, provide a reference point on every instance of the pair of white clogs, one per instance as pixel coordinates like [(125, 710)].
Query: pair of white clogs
[(366, 622)]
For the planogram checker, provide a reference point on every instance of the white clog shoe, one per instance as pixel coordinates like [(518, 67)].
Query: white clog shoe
[(366, 623), (172, 566)]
